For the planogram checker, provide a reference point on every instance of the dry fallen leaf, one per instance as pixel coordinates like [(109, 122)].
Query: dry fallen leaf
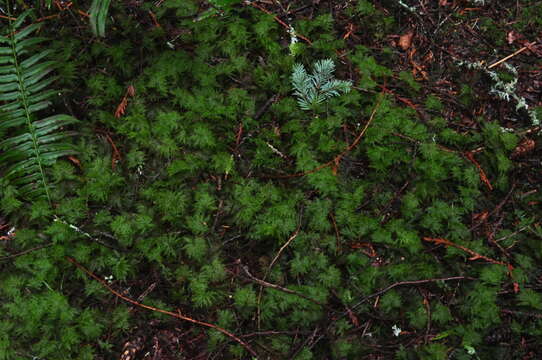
[(130, 91), (75, 160), (525, 147), (406, 40), (353, 318), (121, 109), (513, 36)]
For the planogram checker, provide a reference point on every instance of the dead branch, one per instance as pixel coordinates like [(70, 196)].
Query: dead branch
[(276, 18), (474, 254), (26, 252), (177, 315), (337, 158), (278, 287)]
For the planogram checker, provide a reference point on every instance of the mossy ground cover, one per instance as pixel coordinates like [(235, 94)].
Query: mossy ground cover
[(398, 220)]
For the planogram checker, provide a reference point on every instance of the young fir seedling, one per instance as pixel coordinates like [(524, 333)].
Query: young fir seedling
[(312, 90)]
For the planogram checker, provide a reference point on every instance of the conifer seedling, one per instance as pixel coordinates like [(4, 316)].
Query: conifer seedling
[(313, 89)]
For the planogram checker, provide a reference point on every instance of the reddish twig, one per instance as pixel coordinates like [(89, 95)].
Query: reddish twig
[(154, 19), (116, 154), (177, 315), (443, 148), (511, 55), (522, 313), (483, 175), (339, 157), (274, 332), (64, 5), (280, 288), (351, 29), (360, 245), (115, 157), (76, 161), (26, 252), (402, 283), (469, 155), (48, 17), (7, 18), (294, 235), (144, 294), (121, 108), (353, 318), (286, 244), (497, 208), (404, 100), (276, 18), (474, 254), (82, 13), (238, 135)]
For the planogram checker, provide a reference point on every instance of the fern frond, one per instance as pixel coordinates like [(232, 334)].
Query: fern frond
[(98, 15), (34, 143)]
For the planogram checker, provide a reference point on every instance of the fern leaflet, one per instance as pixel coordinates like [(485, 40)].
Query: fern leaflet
[(33, 143)]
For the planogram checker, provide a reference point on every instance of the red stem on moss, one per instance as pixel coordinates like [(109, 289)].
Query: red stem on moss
[(177, 315)]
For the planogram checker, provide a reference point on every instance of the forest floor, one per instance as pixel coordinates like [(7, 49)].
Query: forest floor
[(207, 216)]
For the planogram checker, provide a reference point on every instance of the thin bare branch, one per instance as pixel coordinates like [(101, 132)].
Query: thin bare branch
[(177, 315)]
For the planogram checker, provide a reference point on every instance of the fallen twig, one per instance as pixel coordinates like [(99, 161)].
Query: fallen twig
[(294, 235), (273, 99), (402, 283), (483, 175), (443, 148), (143, 295), (121, 108), (7, 18), (337, 158), (522, 313), (177, 315), (273, 332), (474, 254), (115, 156), (511, 55), (26, 252), (497, 208), (288, 242), (54, 16), (276, 18), (154, 19), (280, 288)]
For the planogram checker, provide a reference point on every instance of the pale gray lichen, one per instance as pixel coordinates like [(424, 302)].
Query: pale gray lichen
[(504, 90)]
